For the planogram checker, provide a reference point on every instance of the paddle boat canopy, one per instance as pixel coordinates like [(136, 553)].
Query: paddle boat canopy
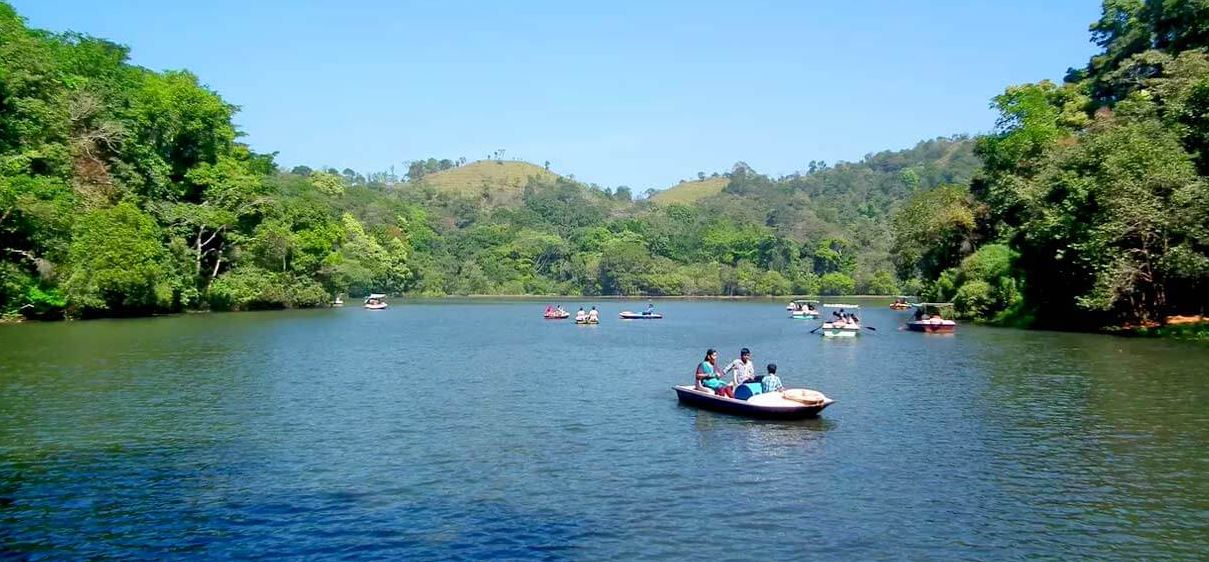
[(375, 301), (802, 309), (791, 404), (930, 318), (841, 327)]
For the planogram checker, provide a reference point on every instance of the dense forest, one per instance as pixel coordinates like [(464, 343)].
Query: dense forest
[(1091, 208), (125, 191)]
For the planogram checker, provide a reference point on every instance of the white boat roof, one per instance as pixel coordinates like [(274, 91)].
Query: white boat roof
[(933, 304), (841, 306), (376, 296)]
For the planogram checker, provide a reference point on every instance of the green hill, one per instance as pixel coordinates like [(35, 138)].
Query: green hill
[(498, 179), (691, 191)]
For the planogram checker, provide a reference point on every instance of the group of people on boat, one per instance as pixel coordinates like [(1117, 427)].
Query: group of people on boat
[(589, 317), (842, 318), (920, 315), (740, 371), (556, 311), (801, 306)]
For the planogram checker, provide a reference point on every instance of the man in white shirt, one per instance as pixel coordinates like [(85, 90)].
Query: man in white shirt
[(742, 369)]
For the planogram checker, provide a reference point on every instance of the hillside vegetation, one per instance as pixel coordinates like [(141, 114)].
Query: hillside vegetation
[(691, 191), (124, 191), (493, 180), (1092, 207)]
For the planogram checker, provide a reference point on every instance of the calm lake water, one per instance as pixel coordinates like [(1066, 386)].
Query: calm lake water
[(476, 430)]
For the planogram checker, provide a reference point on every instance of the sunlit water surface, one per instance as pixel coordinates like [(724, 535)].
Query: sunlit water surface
[(476, 430)]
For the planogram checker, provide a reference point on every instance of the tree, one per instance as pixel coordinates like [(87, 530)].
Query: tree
[(119, 263), (836, 283), (834, 255), (933, 231)]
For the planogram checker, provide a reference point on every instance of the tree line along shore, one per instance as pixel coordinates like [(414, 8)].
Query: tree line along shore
[(125, 192)]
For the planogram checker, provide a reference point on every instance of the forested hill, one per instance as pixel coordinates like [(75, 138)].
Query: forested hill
[(125, 191)]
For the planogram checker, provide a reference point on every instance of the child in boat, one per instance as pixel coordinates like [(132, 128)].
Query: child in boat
[(707, 375), (771, 382), (742, 370)]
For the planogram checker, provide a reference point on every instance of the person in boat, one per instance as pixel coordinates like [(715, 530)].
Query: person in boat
[(650, 309), (771, 382), (741, 370), (707, 375), (919, 314), (549, 310), (580, 315), (593, 315)]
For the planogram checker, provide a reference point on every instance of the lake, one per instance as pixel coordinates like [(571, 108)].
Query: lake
[(476, 430)]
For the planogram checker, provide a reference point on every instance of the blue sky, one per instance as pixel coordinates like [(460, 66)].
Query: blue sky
[(618, 93)]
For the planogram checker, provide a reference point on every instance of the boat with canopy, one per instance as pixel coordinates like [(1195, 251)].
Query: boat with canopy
[(375, 301), (803, 309), (930, 318), (901, 302), (842, 324)]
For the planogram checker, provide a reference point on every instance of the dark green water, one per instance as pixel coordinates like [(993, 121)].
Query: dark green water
[(448, 430)]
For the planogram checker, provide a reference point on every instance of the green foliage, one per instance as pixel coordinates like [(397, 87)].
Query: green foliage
[(1095, 196), (772, 283), (836, 283), (933, 231), (119, 263), (882, 283), (251, 288)]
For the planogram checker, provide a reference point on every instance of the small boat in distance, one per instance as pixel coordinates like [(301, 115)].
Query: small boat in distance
[(627, 315), (375, 301), (337, 302), (768, 405), (803, 309), (930, 318), (556, 314), (900, 303)]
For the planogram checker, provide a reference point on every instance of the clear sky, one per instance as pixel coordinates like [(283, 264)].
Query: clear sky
[(617, 93)]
